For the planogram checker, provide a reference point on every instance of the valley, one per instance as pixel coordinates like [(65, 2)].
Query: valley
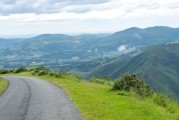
[(154, 49)]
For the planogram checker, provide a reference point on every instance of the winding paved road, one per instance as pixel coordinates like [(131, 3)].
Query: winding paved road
[(28, 98)]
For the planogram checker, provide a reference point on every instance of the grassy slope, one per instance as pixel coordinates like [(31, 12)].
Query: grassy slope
[(98, 102), (3, 85), (160, 65)]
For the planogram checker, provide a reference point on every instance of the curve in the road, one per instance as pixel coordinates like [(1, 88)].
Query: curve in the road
[(29, 98)]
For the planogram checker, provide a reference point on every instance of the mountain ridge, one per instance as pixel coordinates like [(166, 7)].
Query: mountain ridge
[(159, 64)]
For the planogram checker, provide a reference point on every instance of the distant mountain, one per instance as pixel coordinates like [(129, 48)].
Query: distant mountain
[(8, 42), (51, 49), (160, 65), (139, 37), (48, 49), (60, 46)]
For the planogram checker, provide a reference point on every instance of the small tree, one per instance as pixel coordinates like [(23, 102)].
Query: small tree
[(128, 82), (3, 71), (41, 70), (21, 69)]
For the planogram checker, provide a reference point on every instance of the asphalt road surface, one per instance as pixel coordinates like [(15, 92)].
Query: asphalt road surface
[(28, 98)]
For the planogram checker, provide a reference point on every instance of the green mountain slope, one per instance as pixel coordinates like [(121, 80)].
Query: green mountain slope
[(160, 64)]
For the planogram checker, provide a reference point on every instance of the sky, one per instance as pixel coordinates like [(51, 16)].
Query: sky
[(28, 17)]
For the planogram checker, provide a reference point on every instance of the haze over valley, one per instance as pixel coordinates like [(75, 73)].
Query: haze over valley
[(90, 55)]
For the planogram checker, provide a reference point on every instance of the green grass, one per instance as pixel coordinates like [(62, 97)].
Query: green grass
[(98, 102), (3, 85)]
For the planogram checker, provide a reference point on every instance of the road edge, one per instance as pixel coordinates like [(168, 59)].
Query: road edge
[(5, 87), (65, 93)]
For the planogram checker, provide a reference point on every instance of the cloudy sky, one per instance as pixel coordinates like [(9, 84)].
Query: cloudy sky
[(23, 17)]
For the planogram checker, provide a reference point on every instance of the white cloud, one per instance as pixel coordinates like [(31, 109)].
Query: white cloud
[(125, 49), (114, 9), (122, 48), (138, 36), (104, 15)]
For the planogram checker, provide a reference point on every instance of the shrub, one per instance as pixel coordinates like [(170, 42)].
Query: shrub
[(160, 100), (52, 74), (3, 71), (60, 74), (123, 93), (31, 69), (21, 69), (130, 82), (11, 70), (40, 71), (42, 68), (76, 76)]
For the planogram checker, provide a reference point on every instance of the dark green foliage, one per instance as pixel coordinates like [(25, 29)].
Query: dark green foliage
[(42, 68), (31, 69), (52, 74), (21, 69), (131, 82), (76, 76), (4, 71), (11, 70), (60, 74), (40, 71), (160, 100)]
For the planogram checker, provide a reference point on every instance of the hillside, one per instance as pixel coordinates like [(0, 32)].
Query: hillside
[(160, 63), (9, 42), (139, 37), (99, 101), (3, 85), (55, 49)]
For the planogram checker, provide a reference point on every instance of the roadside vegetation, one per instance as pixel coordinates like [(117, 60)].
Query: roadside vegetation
[(127, 98), (3, 85)]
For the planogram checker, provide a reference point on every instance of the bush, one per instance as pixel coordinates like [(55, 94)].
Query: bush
[(160, 100), (123, 93), (11, 70), (40, 71), (60, 74), (42, 68), (3, 71), (21, 69), (52, 74), (30, 69), (130, 82)]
